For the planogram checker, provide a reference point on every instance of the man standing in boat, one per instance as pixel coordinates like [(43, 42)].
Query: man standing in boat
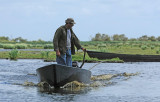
[(64, 43)]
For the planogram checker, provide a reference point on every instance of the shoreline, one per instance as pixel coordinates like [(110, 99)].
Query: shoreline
[(51, 56), (86, 61)]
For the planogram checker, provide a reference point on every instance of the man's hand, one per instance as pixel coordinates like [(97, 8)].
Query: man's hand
[(84, 49), (58, 53)]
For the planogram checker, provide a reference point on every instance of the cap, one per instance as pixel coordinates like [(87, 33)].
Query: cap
[(70, 20)]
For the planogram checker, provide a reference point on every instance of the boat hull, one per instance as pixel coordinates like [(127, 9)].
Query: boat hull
[(124, 57), (58, 75)]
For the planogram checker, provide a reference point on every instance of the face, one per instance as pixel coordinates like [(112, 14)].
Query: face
[(69, 25)]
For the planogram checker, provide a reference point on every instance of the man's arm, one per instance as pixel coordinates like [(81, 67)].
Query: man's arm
[(55, 41), (77, 43)]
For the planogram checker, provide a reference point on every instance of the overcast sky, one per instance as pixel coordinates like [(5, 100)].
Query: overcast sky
[(39, 19)]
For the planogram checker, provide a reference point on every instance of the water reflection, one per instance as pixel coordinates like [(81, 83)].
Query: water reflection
[(78, 90), (62, 94)]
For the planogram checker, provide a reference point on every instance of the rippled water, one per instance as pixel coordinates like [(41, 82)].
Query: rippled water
[(140, 88)]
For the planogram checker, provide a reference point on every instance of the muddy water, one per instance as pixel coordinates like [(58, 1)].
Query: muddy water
[(111, 82)]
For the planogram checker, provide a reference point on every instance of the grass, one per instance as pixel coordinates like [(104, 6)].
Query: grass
[(52, 56), (128, 50), (36, 55), (128, 47), (13, 54)]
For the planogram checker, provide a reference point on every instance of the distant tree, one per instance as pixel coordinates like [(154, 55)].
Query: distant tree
[(105, 37), (40, 40), (152, 38), (3, 38), (22, 40), (158, 38), (143, 38), (116, 37), (97, 37), (19, 39), (122, 37), (133, 39)]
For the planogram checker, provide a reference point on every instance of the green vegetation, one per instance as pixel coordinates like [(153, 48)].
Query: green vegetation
[(18, 45), (51, 56), (13, 54), (117, 44), (42, 54), (45, 54), (122, 37), (124, 47)]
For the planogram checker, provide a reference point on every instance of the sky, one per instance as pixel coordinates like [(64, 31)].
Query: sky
[(39, 19)]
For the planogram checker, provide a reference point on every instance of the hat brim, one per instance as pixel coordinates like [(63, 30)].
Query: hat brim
[(73, 22)]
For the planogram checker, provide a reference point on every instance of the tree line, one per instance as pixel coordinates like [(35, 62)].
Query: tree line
[(20, 39), (98, 37), (122, 37)]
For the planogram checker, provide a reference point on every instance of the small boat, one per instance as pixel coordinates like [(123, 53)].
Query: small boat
[(58, 75), (124, 57)]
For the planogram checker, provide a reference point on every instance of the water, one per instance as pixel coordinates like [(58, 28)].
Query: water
[(140, 88)]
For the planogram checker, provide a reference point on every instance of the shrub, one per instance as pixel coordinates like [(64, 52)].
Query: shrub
[(152, 47), (85, 45), (42, 54), (48, 47), (118, 45), (20, 47), (103, 50), (32, 46), (28, 46), (1, 46), (45, 54), (13, 54), (8, 47), (144, 47), (157, 52), (38, 46), (102, 46)]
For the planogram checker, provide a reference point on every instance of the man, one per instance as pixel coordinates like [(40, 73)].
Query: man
[(64, 42)]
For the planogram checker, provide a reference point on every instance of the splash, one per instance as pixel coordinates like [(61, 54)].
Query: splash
[(96, 81), (74, 84), (102, 77), (130, 74), (99, 80), (43, 84), (26, 83)]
